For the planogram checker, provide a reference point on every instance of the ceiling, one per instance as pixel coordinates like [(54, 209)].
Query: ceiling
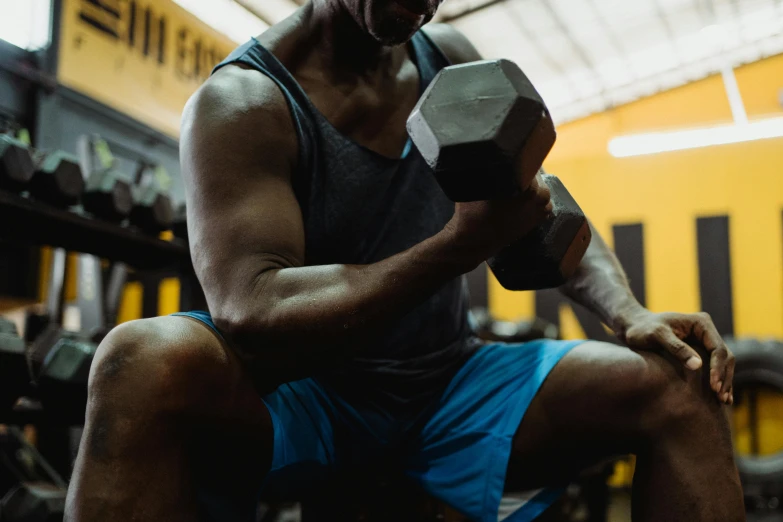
[(586, 56)]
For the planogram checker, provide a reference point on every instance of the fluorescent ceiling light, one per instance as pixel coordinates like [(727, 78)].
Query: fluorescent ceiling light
[(227, 17), (656, 142)]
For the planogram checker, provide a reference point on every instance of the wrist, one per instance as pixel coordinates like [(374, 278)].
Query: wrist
[(458, 250), (626, 316)]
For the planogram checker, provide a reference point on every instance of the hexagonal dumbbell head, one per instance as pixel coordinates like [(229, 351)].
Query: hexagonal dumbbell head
[(472, 125), (153, 211), (107, 196), (16, 164), (58, 179)]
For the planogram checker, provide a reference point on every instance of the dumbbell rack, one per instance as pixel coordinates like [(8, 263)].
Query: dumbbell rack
[(24, 220)]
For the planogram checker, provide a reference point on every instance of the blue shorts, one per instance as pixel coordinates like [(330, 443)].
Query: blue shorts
[(460, 455)]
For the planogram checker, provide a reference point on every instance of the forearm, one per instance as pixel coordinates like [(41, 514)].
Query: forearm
[(323, 312), (601, 285)]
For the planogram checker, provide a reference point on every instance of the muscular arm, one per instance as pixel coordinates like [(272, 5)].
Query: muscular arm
[(238, 152)]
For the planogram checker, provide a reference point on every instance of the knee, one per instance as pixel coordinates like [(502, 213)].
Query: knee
[(671, 397), (162, 364)]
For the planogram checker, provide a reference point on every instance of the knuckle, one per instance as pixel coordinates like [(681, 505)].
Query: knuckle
[(704, 316), (659, 330)]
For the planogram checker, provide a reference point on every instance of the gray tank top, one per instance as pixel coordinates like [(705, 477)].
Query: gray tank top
[(360, 207)]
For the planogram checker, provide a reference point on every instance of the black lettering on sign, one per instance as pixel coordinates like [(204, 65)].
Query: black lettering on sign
[(195, 57), (103, 15), (162, 41), (629, 248), (147, 27), (712, 235), (182, 53), (132, 23)]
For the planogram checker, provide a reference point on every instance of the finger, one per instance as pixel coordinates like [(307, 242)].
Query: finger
[(679, 349), (543, 195), (727, 391), (707, 334), (718, 362)]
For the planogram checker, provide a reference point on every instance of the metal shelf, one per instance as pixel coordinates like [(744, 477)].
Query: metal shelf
[(27, 221)]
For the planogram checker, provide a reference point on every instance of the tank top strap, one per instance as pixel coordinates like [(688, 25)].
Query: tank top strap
[(429, 58)]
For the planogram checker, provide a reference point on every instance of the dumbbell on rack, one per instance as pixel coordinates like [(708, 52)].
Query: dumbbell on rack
[(16, 164), (14, 374), (60, 359), (107, 195), (153, 211), (38, 492), (58, 179)]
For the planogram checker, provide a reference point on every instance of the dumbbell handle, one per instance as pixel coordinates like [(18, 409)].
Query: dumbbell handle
[(516, 269)]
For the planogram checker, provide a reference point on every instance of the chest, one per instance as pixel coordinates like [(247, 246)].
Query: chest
[(364, 208), (370, 112)]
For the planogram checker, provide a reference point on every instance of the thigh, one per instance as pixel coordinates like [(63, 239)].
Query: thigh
[(593, 405)]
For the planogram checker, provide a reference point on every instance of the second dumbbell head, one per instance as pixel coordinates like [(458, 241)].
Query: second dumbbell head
[(58, 179), (108, 196), (16, 164)]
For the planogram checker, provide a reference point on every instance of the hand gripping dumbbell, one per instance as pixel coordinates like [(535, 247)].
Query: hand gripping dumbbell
[(485, 131)]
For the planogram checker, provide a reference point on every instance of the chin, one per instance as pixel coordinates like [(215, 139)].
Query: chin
[(394, 31)]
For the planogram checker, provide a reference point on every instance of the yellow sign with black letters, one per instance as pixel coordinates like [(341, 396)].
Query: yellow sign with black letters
[(143, 58)]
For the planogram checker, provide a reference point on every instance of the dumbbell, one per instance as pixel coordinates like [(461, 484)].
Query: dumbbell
[(107, 195), (153, 211), (16, 164), (484, 131), (14, 375), (58, 179), (62, 379)]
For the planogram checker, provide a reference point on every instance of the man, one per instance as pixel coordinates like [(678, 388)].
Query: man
[(338, 335)]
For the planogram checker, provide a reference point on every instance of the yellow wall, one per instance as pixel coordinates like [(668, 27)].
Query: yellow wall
[(667, 192)]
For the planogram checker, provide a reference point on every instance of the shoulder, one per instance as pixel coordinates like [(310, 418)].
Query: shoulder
[(243, 99), (453, 43)]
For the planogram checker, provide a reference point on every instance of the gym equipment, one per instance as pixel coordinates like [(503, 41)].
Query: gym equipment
[(14, 375), (16, 164), (33, 502), (38, 491), (153, 211), (62, 381), (489, 329), (107, 195), (484, 131), (58, 179), (759, 363), (60, 359)]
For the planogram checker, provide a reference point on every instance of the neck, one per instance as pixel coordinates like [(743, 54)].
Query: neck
[(342, 43)]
